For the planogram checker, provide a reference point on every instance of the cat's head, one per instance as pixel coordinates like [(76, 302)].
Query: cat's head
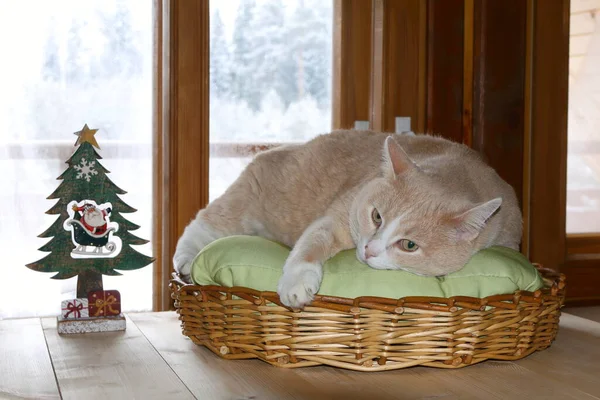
[(407, 219)]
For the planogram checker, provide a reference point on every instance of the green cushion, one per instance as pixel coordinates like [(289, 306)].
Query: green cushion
[(257, 263)]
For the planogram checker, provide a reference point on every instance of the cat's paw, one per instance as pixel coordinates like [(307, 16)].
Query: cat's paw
[(186, 278), (182, 264), (297, 289)]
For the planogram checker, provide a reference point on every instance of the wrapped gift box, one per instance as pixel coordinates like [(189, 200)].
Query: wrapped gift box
[(74, 309), (104, 303)]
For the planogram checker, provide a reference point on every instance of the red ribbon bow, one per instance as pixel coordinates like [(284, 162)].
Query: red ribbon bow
[(75, 309)]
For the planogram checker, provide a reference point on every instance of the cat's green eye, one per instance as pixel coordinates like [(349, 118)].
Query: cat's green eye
[(376, 217), (407, 245)]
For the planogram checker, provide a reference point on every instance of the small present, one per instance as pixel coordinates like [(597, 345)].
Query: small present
[(74, 309), (104, 303)]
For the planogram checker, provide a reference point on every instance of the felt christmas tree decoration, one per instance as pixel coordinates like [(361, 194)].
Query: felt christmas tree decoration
[(90, 237)]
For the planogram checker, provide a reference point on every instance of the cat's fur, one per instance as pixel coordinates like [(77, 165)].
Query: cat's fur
[(319, 198)]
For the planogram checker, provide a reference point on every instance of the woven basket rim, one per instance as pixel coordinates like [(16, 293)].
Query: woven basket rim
[(554, 288), (370, 333)]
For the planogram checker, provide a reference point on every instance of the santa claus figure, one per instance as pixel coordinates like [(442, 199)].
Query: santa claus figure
[(93, 218)]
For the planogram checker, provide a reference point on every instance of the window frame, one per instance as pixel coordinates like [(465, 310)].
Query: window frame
[(182, 37), (576, 255), (398, 63), (365, 87), (351, 73), (181, 129)]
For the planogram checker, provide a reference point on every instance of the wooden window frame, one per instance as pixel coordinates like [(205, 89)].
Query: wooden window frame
[(576, 255), (366, 82), (367, 76), (398, 63), (181, 117), (548, 95), (181, 128), (352, 28)]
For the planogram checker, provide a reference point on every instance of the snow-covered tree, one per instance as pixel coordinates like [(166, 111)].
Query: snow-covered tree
[(303, 120), (268, 50), (225, 117), (310, 46), (242, 79), (51, 64), (270, 120), (220, 63), (74, 64), (280, 63), (121, 53)]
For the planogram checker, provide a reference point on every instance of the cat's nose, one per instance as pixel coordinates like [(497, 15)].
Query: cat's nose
[(368, 252)]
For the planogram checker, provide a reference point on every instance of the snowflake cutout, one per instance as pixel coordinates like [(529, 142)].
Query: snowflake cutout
[(86, 169)]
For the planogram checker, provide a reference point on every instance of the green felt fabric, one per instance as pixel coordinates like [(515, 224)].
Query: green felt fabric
[(257, 263)]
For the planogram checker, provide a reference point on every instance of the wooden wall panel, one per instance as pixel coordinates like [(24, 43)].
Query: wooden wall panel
[(445, 47), (582, 243), (351, 62), (499, 86), (526, 195), (549, 104), (467, 103), (583, 279), (399, 56)]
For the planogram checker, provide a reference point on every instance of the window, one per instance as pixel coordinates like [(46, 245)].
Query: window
[(583, 171), (270, 79), (367, 78), (73, 63)]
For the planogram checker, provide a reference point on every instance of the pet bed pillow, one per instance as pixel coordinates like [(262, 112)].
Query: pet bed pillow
[(257, 263)]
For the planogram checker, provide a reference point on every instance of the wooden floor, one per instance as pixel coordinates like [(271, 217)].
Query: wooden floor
[(592, 313), (152, 360)]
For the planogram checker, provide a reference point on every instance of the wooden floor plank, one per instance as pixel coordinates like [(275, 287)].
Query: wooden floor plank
[(111, 365), (205, 373), (488, 380), (592, 313), (573, 358), (129, 365), (25, 367), (211, 377)]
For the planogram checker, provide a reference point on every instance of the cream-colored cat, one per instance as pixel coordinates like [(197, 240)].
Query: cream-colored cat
[(413, 202)]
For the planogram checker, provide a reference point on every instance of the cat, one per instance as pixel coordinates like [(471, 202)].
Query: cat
[(419, 203)]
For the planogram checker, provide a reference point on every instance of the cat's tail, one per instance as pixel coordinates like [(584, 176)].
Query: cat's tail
[(197, 235)]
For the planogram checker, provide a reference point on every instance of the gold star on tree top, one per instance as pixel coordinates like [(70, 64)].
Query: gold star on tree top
[(86, 135)]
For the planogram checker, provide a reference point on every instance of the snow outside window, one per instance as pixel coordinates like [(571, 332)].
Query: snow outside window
[(583, 159), (66, 63), (270, 77)]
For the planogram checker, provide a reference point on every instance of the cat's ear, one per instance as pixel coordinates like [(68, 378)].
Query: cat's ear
[(395, 159), (469, 224)]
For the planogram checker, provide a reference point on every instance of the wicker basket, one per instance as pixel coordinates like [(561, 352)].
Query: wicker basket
[(370, 333)]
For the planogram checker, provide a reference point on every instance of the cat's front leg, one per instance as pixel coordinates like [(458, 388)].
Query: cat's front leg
[(198, 234), (303, 270)]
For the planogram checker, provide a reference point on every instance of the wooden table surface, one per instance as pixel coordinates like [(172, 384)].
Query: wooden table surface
[(153, 360)]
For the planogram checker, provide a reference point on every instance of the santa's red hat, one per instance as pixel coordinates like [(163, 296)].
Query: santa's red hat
[(84, 207)]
